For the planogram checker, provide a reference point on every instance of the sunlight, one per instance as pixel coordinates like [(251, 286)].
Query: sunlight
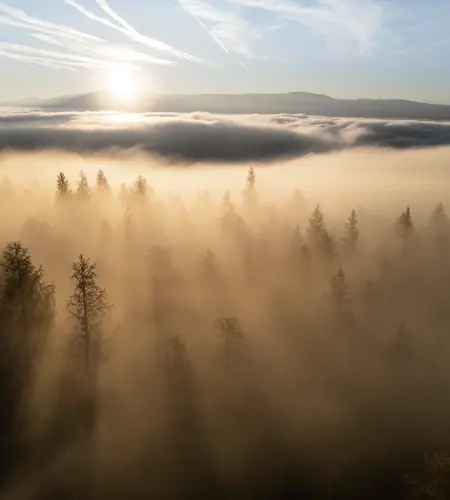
[(122, 84)]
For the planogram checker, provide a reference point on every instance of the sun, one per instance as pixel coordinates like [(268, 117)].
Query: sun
[(122, 84)]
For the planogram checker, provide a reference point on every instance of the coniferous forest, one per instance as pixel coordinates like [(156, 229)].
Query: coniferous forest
[(221, 348)]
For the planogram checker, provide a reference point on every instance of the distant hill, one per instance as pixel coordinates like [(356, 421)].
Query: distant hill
[(293, 102)]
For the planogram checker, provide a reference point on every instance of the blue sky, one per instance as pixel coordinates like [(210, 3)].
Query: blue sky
[(344, 48)]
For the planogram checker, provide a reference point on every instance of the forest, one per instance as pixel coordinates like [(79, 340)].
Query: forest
[(224, 347)]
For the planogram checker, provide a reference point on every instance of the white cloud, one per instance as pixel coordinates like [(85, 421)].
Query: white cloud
[(62, 59), (230, 30), (121, 25), (81, 49), (357, 20)]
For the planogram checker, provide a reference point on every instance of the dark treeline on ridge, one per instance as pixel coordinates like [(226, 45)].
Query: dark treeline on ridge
[(232, 348)]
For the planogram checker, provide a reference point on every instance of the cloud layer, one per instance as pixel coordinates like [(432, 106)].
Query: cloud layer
[(201, 137)]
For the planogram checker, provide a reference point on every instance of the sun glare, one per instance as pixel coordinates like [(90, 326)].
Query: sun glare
[(122, 84)]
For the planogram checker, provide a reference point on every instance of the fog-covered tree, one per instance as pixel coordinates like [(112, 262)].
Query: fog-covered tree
[(26, 316), (87, 306), (405, 225), (231, 335), (26, 302), (63, 190), (351, 233), (102, 182), (83, 190), (338, 297), (140, 187), (250, 194), (319, 239)]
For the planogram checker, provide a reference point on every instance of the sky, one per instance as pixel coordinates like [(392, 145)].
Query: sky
[(342, 48)]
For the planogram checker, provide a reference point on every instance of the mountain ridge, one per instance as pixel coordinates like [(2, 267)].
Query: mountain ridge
[(297, 102)]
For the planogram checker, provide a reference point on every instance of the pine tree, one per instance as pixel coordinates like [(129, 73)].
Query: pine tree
[(231, 336), (319, 239), (62, 186), (405, 224), (26, 315), (83, 191), (439, 224), (140, 187), (250, 194), (352, 233), (339, 297), (316, 225), (26, 302), (102, 182), (87, 306)]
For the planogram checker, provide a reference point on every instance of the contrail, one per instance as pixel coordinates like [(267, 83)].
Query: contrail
[(16, 17), (37, 61), (131, 32), (188, 8), (202, 24), (106, 50), (58, 57)]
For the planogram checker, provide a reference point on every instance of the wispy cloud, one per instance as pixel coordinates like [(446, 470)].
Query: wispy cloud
[(64, 59), (228, 29), (78, 49), (18, 18), (131, 33), (358, 20), (36, 61)]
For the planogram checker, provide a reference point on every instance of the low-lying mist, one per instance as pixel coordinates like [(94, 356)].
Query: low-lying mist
[(266, 331)]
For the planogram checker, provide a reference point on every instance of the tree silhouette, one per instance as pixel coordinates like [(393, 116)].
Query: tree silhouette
[(352, 234), (26, 314), (62, 186), (102, 182), (231, 334), (250, 194), (405, 224), (140, 188), (83, 191), (339, 297), (27, 303), (87, 306), (320, 240)]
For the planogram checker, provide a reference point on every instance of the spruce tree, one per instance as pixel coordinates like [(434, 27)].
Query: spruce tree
[(320, 240), (26, 315), (87, 306), (83, 191), (250, 194), (231, 336), (102, 182), (352, 233), (62, 186), (405, 224), (339, 297), (140, 188)]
